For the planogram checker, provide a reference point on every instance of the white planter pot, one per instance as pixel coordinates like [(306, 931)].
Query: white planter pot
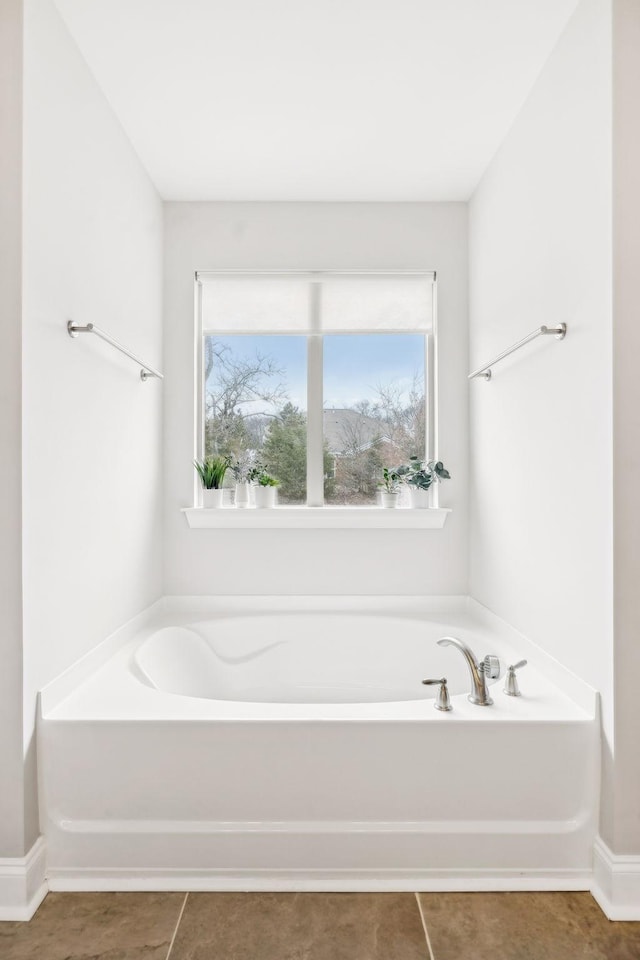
[(264, 496), (212, 498), (242, 494), (389, 500), (420, 499)]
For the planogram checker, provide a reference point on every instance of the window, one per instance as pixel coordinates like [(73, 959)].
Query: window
[(323, 378)]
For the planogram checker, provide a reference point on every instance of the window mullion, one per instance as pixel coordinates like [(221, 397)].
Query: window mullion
[(431, 389), (315, 459)]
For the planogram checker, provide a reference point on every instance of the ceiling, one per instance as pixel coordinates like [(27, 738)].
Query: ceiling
[(316, 99)]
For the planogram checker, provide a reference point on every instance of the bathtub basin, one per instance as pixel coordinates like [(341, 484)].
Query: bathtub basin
[(300, 658)]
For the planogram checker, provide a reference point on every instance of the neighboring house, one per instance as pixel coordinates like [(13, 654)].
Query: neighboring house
[(359, 449), (346, 431)]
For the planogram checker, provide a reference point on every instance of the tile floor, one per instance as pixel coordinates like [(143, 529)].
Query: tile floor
[(319, 926)]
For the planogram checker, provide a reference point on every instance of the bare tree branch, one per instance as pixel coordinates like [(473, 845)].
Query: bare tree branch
[(237, 384)]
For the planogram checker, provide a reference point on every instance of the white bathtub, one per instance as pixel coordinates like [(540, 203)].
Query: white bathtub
[(247, 744)]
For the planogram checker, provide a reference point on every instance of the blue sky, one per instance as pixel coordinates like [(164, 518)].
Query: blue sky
[(353, 365)]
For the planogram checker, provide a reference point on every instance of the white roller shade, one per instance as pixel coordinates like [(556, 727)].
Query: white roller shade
[(346, 303)]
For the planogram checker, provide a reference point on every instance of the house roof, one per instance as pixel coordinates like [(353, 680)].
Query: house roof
[(347, 431)]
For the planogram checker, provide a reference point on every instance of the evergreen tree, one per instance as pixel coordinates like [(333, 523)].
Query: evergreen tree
[(285, 453)]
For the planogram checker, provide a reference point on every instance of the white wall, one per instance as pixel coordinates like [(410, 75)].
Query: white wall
[(624, 832), (541, 435), (12, 813), (306, 235), (92, 431)]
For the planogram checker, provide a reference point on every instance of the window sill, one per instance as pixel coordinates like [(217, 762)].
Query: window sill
[(316, 518)]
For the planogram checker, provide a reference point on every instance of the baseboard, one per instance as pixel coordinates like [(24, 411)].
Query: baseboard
[(616, 882), (23, 884), (338, 881)]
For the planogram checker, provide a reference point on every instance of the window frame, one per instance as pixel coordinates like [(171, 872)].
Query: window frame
[(315, 374)]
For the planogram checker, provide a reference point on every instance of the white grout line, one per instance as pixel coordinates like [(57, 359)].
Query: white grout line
[(424, 926), (175, 932)]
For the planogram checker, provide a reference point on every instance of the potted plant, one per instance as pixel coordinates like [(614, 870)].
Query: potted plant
[(265, 490), (211, 471), (421, 477), (390, 487), (245, 470)]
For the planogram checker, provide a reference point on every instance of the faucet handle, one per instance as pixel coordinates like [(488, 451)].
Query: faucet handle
[(442, 699), (511, 687), (492, 667)]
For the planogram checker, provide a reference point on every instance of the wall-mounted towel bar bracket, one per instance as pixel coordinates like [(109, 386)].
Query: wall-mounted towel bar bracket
[(558, 332), (146, 371)]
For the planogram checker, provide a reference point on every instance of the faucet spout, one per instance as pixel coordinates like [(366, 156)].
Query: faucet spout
[(479, 693)]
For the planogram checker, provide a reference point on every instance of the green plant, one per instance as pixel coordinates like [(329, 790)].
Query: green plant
[(265, 479), (391, 479), (422, 474), (211, 471), (439, 472)]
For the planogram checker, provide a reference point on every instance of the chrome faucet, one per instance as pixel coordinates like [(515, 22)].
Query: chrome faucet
[(487, 668)]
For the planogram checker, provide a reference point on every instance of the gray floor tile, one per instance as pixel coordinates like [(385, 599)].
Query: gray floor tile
[(300, 926), (95, 926), (525, 926)]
